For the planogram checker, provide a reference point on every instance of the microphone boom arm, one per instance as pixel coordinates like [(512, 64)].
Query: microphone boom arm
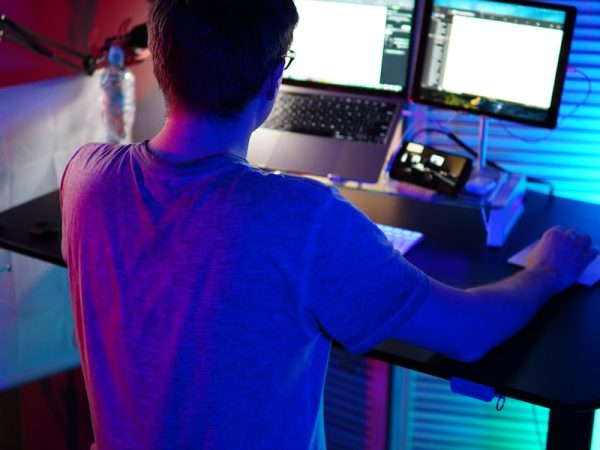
[(40, 44)]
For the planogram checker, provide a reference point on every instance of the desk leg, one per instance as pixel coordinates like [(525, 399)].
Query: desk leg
[(570, 430), (10, 420)]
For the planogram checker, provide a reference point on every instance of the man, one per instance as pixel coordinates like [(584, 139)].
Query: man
[(206, 293)]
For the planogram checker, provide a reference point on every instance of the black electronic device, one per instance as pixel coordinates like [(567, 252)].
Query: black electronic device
[(431, 168), (499, 58), (133, 41)]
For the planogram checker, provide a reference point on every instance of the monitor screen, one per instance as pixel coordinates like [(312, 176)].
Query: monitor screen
[(363, 44), (504, 59)]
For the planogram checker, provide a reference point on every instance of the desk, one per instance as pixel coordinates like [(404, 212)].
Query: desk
[(553, 363), (16, 224)]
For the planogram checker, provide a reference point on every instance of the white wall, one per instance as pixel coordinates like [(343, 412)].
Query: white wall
[(41, 125)]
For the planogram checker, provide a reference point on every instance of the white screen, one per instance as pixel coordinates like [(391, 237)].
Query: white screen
[(338, 43), (502, 61)]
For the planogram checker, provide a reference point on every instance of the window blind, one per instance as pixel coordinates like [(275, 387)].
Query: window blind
[(442, 420)]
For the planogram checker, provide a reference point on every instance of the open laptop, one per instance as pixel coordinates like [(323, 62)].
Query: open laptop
[(341, 99)]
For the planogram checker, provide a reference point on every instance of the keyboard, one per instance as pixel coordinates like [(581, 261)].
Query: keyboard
[(401, 238), (349, 118)]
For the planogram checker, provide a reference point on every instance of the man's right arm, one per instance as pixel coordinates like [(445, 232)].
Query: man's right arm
[(466, 324)]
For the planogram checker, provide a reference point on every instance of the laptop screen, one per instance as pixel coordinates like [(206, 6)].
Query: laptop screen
[(353, 43)]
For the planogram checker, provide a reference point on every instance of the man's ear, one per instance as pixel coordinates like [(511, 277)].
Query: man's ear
[(273, 81)]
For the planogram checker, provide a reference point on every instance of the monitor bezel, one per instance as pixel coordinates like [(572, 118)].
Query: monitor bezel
[(551, 118)]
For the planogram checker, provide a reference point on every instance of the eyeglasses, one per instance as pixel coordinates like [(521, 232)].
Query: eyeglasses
[(288, 58)]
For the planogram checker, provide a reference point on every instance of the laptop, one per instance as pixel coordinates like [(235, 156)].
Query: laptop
[(341, 99)]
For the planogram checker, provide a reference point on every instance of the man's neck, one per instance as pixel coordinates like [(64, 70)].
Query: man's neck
[(185, 137)]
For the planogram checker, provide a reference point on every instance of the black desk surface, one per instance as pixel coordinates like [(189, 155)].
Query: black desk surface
[(33, 228), (554, 362)]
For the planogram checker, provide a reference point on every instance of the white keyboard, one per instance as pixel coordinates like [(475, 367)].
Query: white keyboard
[(401, 238)]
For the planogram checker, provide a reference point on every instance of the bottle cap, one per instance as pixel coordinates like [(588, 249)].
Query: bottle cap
[(116, 56)]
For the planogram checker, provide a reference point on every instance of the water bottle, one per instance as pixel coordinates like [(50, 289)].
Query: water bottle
[(117, 97)]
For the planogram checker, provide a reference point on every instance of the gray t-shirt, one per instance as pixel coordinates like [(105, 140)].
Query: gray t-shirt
[(206, 296)]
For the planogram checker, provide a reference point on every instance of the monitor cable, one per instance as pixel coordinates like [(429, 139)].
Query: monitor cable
[(571, 113), (454, 138)]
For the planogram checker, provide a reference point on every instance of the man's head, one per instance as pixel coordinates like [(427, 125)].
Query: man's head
[(212, 57)]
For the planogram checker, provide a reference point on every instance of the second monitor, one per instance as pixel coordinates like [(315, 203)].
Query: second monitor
[(505, 59)]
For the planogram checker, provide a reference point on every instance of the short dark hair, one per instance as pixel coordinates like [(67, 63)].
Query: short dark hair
[(213, 56)]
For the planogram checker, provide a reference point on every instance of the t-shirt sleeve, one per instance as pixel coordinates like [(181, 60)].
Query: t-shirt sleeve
[(358, 288), (66, 193)]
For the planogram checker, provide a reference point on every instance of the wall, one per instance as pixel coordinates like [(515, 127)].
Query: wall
[(74, 23), (80, 25), (46, 112)]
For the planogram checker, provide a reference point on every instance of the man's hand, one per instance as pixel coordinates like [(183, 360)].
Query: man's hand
[(563, 252), (466, 324)]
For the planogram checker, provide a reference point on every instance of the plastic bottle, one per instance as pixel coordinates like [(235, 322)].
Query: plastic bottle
[(118, 97)]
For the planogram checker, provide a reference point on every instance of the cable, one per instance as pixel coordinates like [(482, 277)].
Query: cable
[(563, 118), (538, 180), (472, 152), (458, 142), (448, 134), (587, 94)]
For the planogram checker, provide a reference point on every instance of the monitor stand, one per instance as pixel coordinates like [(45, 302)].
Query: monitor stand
[(502, 193), (503, 211)]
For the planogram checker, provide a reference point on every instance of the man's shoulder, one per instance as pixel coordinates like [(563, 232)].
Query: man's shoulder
[(99, 161), (91, 167), (97, 154)]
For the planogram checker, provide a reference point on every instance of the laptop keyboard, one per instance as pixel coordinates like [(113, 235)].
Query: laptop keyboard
[(401, 238), (349, 118)]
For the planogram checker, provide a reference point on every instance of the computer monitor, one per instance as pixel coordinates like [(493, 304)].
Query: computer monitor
[(499, 58), (353, 44)]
